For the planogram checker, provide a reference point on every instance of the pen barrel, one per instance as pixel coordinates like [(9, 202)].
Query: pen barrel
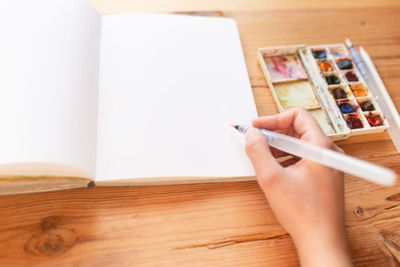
[(331, 158), (358, 61), (358, 168)]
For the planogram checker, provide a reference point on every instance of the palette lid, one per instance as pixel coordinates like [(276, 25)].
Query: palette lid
[(383, 99)]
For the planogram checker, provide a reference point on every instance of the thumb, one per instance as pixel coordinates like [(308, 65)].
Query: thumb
[(264, 163)]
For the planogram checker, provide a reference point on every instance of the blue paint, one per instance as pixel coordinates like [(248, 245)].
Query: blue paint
[(346, 108)]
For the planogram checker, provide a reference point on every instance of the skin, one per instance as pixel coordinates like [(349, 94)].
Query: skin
[(306, 197)]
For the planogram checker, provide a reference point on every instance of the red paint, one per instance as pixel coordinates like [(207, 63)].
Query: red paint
[(375, 120), (354, 123)]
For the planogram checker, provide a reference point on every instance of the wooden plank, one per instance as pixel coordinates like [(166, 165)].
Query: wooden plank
[(221, 224), (215, 224)]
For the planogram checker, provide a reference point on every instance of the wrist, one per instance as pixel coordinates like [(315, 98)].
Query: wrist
[(323, 248)]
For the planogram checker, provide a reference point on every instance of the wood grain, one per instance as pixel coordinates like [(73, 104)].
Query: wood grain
[(223, 224)]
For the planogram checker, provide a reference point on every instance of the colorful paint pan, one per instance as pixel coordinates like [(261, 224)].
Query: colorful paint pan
[(351, 76), (339, 93), (346, 108), (367, 106), (344, 64), (332, 79), (354, 121), (359, 90), (319, 54), (285, 68), (326, 66), (374, 120)]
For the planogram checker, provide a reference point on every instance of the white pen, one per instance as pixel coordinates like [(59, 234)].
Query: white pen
[(330, 158)]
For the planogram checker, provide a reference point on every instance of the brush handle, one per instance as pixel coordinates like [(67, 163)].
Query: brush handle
[(330, 158)]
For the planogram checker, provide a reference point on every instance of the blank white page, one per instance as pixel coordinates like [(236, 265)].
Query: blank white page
[(169, 87), (49, 60)]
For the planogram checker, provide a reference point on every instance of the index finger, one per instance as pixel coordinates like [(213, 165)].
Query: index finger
[(297, 123)]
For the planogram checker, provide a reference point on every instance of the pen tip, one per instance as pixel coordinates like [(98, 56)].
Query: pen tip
[(234, 126), (348, 42)]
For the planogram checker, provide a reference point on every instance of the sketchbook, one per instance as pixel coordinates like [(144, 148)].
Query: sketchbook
[(131, 99)]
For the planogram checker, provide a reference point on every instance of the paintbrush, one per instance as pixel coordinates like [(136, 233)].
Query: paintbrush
[(330, 158)]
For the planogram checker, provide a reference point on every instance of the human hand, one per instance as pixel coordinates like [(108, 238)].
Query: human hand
[(306, 197)]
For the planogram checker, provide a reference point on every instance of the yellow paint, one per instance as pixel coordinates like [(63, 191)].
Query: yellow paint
[(296, 94)]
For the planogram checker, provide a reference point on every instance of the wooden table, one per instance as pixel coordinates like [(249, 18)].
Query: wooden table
[(226, 223)]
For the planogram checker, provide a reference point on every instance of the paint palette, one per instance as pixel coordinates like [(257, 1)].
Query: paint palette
[(324, 80)]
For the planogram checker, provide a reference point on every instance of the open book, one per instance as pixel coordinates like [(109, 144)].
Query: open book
[(118, 100)]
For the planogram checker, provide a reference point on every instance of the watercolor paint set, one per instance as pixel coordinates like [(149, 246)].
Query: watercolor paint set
[(324, 80)]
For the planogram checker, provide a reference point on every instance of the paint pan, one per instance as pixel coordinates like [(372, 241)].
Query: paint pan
[(354, 121), (347, 106), (326, 65), (340, 92), (320, 53), (332, 78), (375, 119), (285, 68), (296, 94), (351, 76), (359, 89), (345, 63), (367, 104)]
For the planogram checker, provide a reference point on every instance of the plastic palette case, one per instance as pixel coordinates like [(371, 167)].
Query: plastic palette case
[(324, 80)]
